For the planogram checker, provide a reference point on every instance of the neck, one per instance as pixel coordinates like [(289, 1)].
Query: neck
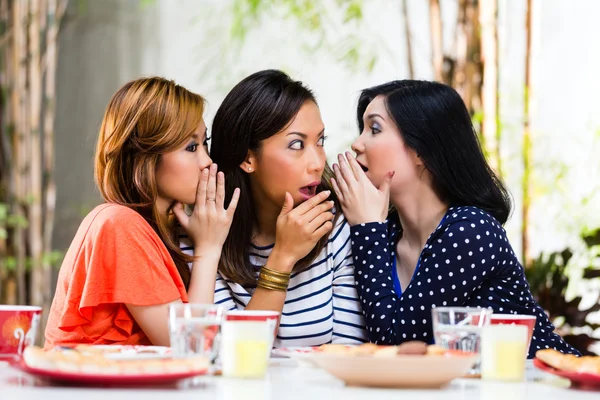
[(266, 217), (163, 206), (420, 211)]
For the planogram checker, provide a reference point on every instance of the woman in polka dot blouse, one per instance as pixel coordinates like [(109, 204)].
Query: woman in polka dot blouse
[(443, 243)]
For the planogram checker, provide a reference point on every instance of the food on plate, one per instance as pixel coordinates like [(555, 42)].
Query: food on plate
[(89, 360), (413, 347), (370, 349), (569, 362)]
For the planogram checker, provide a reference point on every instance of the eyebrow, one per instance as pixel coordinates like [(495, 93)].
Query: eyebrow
[(196, 136), (304, 135), (371, 116)]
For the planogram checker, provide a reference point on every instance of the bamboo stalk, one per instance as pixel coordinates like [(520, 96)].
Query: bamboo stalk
[(526, 183), (408, 36), (56, 10), (435, 28), (34, 208), (498, 120), (3, 146), (19, 110), (489, 91)]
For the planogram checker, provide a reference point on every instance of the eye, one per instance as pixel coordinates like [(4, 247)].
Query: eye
[(205, 143), (192, 147), (322, 140), (375, 129), (296, 145)]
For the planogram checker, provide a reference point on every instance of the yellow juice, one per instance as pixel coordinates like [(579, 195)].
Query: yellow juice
[(508, 362), (251, 358)]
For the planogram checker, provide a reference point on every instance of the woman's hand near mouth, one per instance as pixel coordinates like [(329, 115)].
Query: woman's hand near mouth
[(361, 201), (299, 229)]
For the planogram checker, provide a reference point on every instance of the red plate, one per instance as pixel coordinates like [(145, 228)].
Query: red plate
[(140, 379), (578, 379)]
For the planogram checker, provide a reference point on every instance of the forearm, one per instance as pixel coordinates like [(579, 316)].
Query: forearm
[(266, 299), (204, 275)]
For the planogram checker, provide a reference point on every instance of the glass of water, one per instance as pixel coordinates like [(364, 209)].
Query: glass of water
[(194, 329), (459, 328)]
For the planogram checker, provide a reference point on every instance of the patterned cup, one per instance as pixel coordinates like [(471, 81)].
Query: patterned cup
[(516, 319), (18, 329)]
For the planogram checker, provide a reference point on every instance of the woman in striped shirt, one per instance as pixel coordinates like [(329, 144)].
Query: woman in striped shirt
[(268, 139)]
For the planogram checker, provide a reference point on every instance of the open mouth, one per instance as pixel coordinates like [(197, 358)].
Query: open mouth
[(362, 166), (310, 190)]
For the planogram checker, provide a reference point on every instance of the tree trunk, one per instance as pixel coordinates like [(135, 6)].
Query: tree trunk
[(526, 184)]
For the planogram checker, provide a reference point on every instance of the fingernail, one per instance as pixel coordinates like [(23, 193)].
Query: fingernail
[(327, 192), (392, 173)]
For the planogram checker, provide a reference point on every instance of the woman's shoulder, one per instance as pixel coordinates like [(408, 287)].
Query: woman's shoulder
[(473, 217), (468, 223), (111, 217)]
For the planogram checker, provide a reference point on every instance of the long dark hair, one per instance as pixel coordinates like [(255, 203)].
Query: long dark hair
[(257, 108), (434, 122)]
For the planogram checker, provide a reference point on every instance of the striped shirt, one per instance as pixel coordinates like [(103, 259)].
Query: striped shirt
[(321, 304)]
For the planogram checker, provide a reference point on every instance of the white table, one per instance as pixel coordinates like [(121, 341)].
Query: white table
[(286, 380)]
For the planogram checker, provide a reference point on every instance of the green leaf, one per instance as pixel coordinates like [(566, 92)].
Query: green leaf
[(353, 12), (10, 263)]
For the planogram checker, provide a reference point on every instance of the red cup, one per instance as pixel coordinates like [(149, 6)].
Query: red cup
[(254, 315), (515, 319), (18, 329)]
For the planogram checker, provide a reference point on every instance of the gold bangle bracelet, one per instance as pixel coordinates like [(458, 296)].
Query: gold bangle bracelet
[(272, 272), (283, 281), (270, 286)]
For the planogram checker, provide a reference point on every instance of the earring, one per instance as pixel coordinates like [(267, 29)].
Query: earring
[(249, 169)]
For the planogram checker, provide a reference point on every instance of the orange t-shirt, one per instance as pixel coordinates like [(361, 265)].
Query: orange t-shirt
[(116, 258)]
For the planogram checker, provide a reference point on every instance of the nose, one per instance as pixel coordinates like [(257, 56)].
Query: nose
[(204, 160), (316, 160), (358, 145)]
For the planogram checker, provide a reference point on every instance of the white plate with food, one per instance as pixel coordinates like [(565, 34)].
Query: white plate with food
[(126, 352), (70, 365), (412, 364)]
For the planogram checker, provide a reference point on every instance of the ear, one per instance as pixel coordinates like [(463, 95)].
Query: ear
[(249, 164), (416, 158)]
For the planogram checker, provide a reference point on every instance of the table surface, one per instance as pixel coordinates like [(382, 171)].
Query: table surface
[(288, 380)]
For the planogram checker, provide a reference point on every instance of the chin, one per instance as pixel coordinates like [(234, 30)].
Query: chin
[(375, 180), (299, 200)]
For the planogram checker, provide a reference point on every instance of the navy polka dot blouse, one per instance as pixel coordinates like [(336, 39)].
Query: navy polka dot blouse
[(467, 261)]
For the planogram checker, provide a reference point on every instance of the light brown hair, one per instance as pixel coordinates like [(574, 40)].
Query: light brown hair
[(144, 119)]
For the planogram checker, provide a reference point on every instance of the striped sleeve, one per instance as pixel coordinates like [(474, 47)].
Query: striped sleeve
[(223, 296), (348, 322)]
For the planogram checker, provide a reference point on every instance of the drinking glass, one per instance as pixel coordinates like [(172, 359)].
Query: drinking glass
[(194, 329), (459, 329)]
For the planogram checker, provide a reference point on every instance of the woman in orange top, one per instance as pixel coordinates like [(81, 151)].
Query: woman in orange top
[(124, 265)]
